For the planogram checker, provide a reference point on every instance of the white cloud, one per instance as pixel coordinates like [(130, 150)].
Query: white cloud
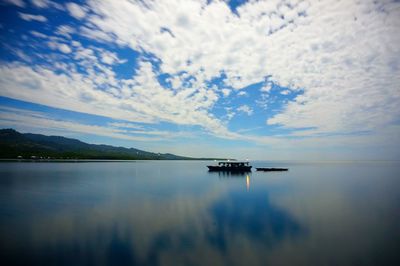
[(30, 17), (76, 10), (23, 56), (125, 125), (176, 82), (245, 109), (342, 55), (267, 87), (110, 58), (141, 99), (262, 102), (242, 93), (46, 4), (18, 3), (95, 34), (38, 34), (41, 3), (226, 92), (229, 113), (65, 30), (64, 48), (342, 58), (20, 118)]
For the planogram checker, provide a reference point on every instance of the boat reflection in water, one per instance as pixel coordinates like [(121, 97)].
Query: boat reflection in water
[(229, 174), (234, 174)]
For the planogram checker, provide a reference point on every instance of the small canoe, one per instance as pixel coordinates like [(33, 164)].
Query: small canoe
[(271, 169)]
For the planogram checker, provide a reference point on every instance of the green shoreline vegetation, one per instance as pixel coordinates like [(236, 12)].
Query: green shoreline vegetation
[(16, 146)]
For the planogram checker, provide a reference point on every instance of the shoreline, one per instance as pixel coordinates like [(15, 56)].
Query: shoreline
[(90, 160)]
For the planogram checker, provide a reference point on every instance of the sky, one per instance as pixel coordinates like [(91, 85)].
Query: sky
[(295, 80)]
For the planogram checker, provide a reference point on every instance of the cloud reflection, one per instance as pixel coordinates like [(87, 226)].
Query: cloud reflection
[(128, 222)]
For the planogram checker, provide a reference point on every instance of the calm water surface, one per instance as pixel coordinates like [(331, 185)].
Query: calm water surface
[(176, 213)]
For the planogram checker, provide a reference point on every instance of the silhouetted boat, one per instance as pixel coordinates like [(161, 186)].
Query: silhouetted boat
[(231, 167), (271, 169)]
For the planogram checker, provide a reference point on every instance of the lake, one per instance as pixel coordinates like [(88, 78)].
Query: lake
[(177, 213)]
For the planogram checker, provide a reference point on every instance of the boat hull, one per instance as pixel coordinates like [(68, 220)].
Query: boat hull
[(215, 168)]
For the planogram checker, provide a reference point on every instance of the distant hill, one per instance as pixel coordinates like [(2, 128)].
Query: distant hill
[(14, 144)]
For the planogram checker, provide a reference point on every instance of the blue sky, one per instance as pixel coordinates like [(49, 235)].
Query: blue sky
[(246, 79)]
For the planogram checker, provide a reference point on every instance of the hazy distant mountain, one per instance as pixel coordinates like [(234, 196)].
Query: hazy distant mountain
[(14, 144)]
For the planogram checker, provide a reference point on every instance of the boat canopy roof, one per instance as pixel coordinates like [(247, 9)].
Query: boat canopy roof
[(233, 163)]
